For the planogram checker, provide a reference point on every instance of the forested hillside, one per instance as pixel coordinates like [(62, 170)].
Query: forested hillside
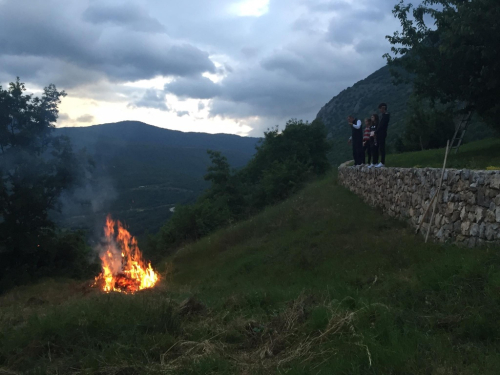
[(142, 171)]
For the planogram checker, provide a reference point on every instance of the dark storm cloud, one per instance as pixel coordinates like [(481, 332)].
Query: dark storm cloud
[(370, 46), (249, 52), (264, 93), (194, 88), (291, 82), (297, 63), (287, 63), (298, 78), (353, 24), (84, 118), (128, 14), (151, 99), (52, 35), (45, 70), (135, 59), (336, 44)]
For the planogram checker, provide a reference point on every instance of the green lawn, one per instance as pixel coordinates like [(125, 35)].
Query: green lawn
[(474, 155), (320, 284)]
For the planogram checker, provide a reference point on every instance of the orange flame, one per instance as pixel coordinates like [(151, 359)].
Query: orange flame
[(123, 269)]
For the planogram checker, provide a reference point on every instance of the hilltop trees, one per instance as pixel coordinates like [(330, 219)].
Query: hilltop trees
[(450, 49), (35, 168), (285, 159)]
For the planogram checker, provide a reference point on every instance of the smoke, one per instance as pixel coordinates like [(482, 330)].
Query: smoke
[(93, 197), (84, 206)]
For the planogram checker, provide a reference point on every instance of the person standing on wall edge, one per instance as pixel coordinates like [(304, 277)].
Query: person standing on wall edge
[(356, 139), (381, 132)]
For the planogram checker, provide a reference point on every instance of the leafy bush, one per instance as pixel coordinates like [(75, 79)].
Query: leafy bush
[(59, 254), (195, 221)]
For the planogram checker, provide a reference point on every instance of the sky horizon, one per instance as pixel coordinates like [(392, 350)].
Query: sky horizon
[(224, 66)]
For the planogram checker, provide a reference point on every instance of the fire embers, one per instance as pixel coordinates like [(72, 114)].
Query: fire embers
[(123, 269)]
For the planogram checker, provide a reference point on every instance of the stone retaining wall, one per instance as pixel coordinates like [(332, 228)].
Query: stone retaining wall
[(468, 208)]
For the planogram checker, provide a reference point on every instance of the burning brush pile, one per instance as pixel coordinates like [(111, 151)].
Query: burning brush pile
[(123, 269)]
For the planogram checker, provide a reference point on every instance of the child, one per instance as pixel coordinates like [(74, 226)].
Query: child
[(373, 140), (366, 140)]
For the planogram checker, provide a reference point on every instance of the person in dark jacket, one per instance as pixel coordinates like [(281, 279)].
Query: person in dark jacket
[(356, 139), (381, 132)]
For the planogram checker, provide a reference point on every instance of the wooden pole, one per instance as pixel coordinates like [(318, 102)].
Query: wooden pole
[(426, 211), (433, 197), (438, 191)]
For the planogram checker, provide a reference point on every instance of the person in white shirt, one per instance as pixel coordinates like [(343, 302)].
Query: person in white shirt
[(356, 139)]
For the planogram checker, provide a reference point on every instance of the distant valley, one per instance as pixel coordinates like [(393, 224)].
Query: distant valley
[(142, 171)]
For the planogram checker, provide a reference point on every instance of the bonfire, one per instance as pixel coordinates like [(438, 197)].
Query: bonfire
[(123, 269)]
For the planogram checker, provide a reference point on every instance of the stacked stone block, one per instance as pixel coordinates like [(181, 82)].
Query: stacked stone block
[(468, 207)]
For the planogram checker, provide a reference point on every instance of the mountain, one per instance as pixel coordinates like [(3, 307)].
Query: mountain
[(362, 100), (142, 171)]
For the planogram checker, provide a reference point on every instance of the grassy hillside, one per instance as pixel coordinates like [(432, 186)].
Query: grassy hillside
[(142, 171), (320, 284), (474, 155)]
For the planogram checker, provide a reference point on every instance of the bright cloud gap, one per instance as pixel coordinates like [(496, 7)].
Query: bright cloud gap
[(251, 8)]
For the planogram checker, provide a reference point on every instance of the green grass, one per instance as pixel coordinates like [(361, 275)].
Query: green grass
[(475, 155), (320, 284)]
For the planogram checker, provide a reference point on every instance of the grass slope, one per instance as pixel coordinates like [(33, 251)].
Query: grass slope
[(474, 155), (320, 284)]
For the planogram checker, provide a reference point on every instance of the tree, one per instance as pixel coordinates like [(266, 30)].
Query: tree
[(226, 190), (218, 173), (426, 125), (450, 50), (285, 160), (35, 168)]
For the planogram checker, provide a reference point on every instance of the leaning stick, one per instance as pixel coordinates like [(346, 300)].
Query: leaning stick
[(437, 192), (427, 210), (425, 213)]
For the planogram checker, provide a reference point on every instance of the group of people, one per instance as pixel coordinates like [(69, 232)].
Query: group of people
[(370, 141)]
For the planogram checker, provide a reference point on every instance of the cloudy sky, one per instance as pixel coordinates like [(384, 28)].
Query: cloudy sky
[(232, 66)]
